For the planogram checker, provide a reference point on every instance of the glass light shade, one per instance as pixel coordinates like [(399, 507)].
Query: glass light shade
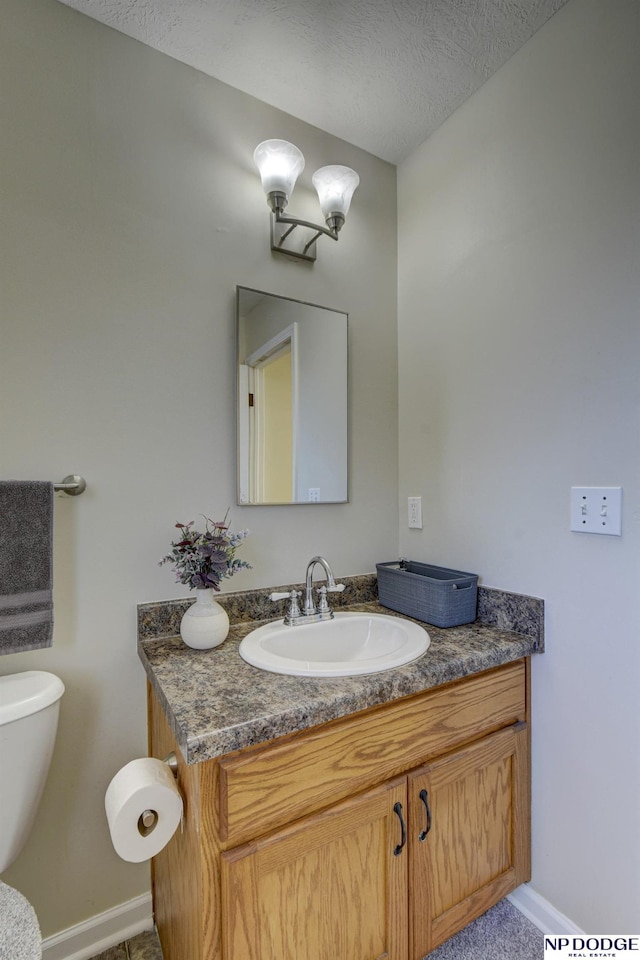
[(335, 186), (280, 163)]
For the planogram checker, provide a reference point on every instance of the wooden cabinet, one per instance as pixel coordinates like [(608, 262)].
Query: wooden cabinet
[(327, 887), (469, 820), (375, 837)]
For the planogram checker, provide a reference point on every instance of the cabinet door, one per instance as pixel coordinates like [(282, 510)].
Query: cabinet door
[(331, 886), (469, 825)]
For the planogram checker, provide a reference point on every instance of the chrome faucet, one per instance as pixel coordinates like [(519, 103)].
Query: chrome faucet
[(322, 612), (310, 613)]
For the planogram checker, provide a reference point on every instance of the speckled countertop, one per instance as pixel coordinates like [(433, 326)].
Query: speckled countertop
[(216, 703)]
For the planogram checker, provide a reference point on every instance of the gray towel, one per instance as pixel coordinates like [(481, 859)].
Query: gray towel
[(26, 565)]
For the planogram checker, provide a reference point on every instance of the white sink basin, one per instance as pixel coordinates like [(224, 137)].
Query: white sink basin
[(349, 645)]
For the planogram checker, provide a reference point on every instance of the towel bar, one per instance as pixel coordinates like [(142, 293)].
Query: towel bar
[(73, 485)]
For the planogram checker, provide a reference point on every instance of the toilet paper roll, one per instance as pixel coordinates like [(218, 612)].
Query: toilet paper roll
[(143, 807)]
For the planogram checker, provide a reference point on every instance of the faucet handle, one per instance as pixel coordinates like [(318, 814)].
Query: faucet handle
[(294, 610), (323, 606), (336, 588)]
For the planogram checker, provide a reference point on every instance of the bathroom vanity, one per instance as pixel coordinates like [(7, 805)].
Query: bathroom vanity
[(363, 817)]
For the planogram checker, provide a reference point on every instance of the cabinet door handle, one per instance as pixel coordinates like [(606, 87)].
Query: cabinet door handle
[(397, 808), (424, 796)]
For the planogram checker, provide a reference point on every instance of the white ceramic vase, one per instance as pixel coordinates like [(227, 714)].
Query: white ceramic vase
[(205, 623)]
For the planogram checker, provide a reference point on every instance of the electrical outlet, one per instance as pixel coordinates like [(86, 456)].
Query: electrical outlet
[(596, 510), (314, 494), (415, 513)]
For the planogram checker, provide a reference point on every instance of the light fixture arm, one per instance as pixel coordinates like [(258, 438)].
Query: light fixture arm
[(294, 222), (302, 244), (278, 201)]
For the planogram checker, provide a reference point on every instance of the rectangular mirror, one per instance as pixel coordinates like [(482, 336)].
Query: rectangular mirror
[(292, 421)]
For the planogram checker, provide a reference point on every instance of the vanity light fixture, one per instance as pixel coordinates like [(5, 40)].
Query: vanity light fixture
[(280, 163)]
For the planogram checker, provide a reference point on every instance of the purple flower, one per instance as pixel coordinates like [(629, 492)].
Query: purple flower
[(202, 560)]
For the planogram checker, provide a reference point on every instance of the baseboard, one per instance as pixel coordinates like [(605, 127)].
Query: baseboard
[(99, 933), (541, 913), (105, 930)]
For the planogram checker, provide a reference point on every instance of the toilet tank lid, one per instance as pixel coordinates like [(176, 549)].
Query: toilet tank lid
[(22, 694)]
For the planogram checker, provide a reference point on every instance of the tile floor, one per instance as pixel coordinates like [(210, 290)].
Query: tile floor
[(143, 947)]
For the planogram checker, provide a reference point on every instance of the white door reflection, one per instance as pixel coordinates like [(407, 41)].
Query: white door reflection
[(271, 402)]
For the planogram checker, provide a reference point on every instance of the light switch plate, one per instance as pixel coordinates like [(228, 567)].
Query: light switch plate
[(597, 510)]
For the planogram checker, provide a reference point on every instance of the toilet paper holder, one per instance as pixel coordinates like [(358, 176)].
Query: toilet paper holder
[(149, 818)]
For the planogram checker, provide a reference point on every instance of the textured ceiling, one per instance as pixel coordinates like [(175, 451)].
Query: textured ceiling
[(381, 74)]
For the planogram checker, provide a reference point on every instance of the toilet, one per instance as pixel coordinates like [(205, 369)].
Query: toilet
[(29, 708)]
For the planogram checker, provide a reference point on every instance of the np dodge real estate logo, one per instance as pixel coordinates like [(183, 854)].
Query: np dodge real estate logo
[(561, 948)]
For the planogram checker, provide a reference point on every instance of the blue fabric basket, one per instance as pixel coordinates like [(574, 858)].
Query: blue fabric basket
[(436, 595)]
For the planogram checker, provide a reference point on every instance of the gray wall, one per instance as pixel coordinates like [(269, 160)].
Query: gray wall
[(519, 341), (130, 210)]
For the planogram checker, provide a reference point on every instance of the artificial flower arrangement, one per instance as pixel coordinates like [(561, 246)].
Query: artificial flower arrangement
[(203, 559)]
